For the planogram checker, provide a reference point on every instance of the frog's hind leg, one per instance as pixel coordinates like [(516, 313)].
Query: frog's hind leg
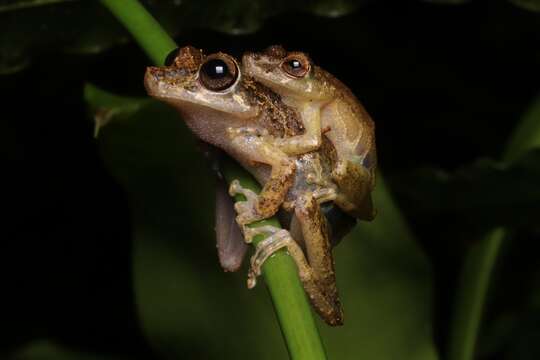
[(328, 309), (319, 253), (355, 184), (317, 274)]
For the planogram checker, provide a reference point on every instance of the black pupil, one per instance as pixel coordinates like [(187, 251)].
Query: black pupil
[(215, 69), (169, 60)]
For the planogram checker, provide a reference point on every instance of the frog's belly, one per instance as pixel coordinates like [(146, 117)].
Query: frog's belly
[(308, 165), (339, 223)]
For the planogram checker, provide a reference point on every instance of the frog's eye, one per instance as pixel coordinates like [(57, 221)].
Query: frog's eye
[(218, 73), (169, 60), (296, 66)]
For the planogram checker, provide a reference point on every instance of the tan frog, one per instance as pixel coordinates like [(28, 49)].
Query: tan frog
[(253, 125), (325, 104)]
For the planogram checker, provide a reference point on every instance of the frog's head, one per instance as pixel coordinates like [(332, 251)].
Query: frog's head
[(192, 81), (287, 73)]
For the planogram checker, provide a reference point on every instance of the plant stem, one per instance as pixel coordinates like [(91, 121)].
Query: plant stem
[(148, 33), (280, 273), (288, 296), (481, 258)]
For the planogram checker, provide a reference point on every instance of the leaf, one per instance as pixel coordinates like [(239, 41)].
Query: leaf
[(511, 328), (483, 194), (448, 2), (480, 260), (526, 136), (184, 299), (32, 27), (110, 106), (187, 304), (385, 281), (47, 350), (533, 5)]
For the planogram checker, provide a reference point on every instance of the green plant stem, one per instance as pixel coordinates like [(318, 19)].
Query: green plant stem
[(148, 33), (290, 302), (481, 258), (288, 296)]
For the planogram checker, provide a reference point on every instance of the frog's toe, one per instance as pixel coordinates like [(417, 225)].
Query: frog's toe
[(280, 238), (242, 207), (236, 188), (246, 218)]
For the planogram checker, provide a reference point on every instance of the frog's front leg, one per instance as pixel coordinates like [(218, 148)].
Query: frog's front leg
[(311, 139), (257, 149), (317, 271)]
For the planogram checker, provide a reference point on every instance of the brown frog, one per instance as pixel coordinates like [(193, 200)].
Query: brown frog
[(324, 104), (253, 124)]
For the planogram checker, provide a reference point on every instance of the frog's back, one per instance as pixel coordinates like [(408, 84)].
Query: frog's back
[(352, 130), (275, 116)]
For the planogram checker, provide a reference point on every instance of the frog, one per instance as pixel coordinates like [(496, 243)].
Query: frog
[(233, 112), (326, 105)]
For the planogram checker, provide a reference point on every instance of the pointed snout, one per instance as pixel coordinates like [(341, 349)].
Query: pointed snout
[(152, 78)]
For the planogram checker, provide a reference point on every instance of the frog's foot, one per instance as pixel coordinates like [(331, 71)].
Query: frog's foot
[(246, 210), (320, 294), (279, 238)]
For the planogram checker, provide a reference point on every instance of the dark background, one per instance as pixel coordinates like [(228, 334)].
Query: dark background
[(445, 84)]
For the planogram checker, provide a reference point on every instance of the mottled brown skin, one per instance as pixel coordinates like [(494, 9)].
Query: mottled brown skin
[(333, 107), (233, 121), (252, 124), (319, 253)]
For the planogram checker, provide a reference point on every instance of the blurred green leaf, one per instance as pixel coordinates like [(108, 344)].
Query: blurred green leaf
[(512, 330), (470, 299), (533, 5), (183, 296), (47, 350), (385, 282), (526, 136), (451, 2), (484, 194), (480, 260), (186, 304), (335, 8), (32, 27), (10, 5)]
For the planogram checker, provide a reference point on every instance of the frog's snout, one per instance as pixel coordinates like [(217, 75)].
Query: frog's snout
[(153, 77)]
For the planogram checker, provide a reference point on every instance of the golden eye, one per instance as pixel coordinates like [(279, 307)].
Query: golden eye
[(296, 66), (218, 73)]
